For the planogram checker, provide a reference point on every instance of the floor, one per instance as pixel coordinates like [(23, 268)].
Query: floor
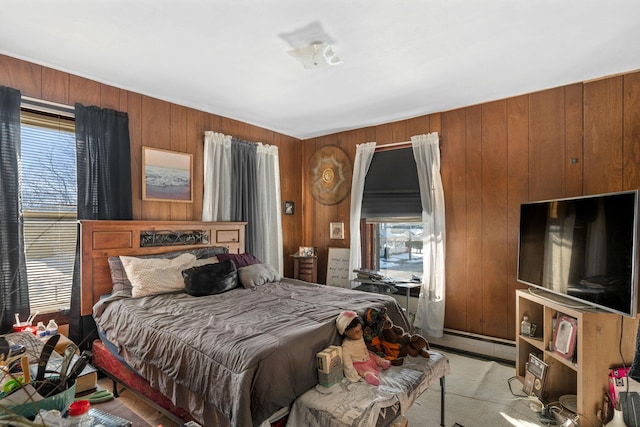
[(150, 415), (479, 393)]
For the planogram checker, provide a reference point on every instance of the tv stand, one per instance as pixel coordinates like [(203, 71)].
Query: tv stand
[(597, 349)]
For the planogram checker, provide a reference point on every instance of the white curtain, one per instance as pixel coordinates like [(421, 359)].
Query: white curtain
[(268, 173), (364, 154), (218, 187), (430, 313), (216, 201)]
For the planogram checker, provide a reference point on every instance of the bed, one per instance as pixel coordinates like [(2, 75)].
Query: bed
[(229, 359)]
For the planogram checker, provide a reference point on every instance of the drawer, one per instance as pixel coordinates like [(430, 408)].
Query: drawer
[(307, 277), (227, 236), (306, 263)]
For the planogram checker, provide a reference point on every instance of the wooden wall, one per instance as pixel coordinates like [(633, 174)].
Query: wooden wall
[(578, 139), (160, 124)]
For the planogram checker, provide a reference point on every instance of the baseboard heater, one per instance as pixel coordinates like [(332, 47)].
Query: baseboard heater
[(481, 345)]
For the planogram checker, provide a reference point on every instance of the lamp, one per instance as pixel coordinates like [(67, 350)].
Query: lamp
[(315, 55)]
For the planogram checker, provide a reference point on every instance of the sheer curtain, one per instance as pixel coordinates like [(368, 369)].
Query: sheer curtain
[(364, 154), (14, 291), (268, 164), (242, 183), (104, 189), (430, 313), (216, 201)]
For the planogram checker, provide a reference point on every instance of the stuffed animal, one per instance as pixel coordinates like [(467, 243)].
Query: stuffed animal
[(358, 361), (390, 341)]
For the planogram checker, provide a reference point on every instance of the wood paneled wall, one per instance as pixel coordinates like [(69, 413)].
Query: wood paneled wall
[(573, 140), (161, 124), (578, 139)]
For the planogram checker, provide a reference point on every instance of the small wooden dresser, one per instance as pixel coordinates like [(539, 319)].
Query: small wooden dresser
[(305, 268)]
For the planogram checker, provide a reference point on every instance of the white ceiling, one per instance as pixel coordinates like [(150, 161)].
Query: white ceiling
[(401, 58)]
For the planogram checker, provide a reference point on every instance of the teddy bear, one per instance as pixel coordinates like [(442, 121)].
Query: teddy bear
[(357, 360), (390, 341)]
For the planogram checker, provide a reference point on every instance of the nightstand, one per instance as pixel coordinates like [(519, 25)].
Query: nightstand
[(305, 268)]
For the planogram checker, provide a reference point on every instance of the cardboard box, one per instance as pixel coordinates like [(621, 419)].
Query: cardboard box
[(329, 364)]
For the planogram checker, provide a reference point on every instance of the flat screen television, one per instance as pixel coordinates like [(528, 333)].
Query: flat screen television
[(584, 248)]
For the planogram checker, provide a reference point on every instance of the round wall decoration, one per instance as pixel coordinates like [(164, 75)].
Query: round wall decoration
[(329, 174)]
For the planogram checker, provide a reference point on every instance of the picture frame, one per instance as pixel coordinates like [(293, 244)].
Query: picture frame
[(306, 251), (564, 336), (167, 176), (535, 377), (336, 230), (289, 208)]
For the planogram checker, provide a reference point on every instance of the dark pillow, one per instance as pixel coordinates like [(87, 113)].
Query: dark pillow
[(210, 279), (121, 283), (240, 260)]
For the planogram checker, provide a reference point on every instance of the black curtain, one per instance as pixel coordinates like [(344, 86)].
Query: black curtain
[(244, 195), (104, 189), (14, 292)]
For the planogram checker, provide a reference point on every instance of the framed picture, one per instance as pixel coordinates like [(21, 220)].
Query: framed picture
[(306, 251), (167, 175), (564, 336), (535, 377), (288, 208), (336, 230)]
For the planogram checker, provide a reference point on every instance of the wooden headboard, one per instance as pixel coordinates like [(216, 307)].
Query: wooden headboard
[(101, 239)]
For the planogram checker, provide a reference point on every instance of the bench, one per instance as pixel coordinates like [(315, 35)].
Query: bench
[(360, 404)]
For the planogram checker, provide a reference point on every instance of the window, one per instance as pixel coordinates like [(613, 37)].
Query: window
[(49, 206), (398, 247), (392, 210)]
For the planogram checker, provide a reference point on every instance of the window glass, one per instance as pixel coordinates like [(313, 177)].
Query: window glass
[(49, 206), (398, 248)]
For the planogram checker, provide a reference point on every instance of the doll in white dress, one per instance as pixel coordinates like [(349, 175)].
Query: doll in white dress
[(358, 361)]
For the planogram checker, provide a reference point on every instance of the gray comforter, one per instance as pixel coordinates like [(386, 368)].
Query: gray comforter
[(248, 352)]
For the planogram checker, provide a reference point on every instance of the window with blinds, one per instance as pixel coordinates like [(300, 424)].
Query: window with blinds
[(49, 206), (392, 209)]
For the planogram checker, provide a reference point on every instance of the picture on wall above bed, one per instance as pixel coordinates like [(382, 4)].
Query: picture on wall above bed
[(166, 175)]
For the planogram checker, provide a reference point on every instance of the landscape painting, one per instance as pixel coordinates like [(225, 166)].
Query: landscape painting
[(166, 175)]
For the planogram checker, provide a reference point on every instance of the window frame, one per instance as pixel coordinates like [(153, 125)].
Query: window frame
[(55, 117)]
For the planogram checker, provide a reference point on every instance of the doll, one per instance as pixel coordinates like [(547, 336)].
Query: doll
[(358, 361)]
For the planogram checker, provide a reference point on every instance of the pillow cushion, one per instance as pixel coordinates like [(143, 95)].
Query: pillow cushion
[(156, 275), (240, 260), (257, 275), (120, 282), (210, 279)]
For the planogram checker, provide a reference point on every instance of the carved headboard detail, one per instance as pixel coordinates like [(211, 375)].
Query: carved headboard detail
[(101, 239)]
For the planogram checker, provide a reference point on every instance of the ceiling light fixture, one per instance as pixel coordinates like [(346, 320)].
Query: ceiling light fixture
[(316, 55)]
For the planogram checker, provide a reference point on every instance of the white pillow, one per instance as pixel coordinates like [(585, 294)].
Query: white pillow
[(150, 276), (257, 275)]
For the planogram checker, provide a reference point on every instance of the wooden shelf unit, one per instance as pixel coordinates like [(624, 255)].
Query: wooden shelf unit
[(597, 348)]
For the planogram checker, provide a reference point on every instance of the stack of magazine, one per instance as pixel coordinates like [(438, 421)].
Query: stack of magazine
[(366, 274)]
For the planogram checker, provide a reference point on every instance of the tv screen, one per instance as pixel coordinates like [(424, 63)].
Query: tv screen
[(583, 248)]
